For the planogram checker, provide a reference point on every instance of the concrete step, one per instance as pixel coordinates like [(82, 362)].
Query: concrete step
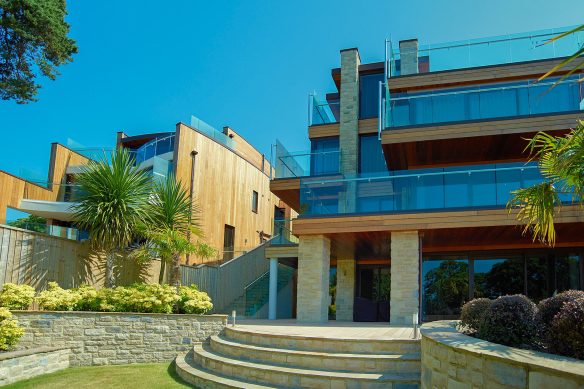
[(326, 345), (188, 371), (406, 363), (284, 376)]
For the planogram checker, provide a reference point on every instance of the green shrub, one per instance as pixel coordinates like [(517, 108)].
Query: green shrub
[(566, 333), (547, 309), (16, 296), (89, 298), (145, 298), (57, 299), (472, 315), (510, 320), (10, 332), (192, 300)]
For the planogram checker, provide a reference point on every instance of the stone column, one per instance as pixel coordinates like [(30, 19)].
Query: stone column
[(273, 290), (408, 53), (345, 288), (313, 278), (405, 273)]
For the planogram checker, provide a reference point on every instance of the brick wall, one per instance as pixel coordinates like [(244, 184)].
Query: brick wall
[(101, 338)]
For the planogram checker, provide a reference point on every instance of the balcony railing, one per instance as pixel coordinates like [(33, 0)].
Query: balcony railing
[(322, 112), (158, 146), (423, 190), (497, 50), (484, 102), (212, 133), (283, 233), (305, 163)]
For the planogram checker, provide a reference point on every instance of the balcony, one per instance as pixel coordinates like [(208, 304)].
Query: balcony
[(323, 112), (306, 163), (508, 100), (156, 147), (470, 187), (499, 50)]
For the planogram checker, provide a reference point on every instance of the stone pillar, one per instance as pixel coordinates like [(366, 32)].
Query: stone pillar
[(345, 289), (408, 54), (405, 276), (313, 278), (273, 291), (349, 125)]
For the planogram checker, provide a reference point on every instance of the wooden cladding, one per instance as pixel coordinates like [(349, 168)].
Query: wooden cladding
[(366, 126)]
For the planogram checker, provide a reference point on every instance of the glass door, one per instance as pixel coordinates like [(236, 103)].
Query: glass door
[(372, 293)]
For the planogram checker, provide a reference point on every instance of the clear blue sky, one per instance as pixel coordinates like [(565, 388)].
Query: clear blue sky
[(144, 66)]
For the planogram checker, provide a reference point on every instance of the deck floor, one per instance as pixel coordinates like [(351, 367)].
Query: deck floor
[(331, 329)]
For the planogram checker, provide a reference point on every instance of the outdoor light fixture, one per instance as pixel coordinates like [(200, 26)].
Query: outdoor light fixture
[(233, 314), (415, 324)]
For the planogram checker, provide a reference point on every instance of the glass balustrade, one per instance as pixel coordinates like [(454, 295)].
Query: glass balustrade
[(484, 102), (212, 133), (307, 163), (487, 186), (496, 50), (158, 146), (323, 112), (282, 235)]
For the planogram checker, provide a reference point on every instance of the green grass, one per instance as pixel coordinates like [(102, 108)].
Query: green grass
[(157, 375)]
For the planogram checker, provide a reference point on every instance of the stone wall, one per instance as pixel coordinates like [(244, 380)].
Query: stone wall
[(453, 360), (345, 289), (405, 273), (25, 364), (312, 299), (102, 338)]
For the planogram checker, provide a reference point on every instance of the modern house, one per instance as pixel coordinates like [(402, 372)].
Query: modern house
[(402, 197), (225, 175)]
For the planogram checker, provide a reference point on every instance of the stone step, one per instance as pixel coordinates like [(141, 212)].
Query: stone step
[(285, 376), (319, 344), (333, 361), (189, 372)]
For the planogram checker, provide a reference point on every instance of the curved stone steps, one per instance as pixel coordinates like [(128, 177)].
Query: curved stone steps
[(320, 344), (201, 378), (284, 376), (346, 362)]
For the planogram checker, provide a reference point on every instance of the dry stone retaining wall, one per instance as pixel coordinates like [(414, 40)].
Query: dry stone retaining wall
[(100, 338), (453, 360), (25, 364)]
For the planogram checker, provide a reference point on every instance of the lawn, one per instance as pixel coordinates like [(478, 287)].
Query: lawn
[(158, 375)]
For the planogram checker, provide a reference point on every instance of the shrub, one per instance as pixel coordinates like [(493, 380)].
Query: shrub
[(89, 298), (566, 333), (10, 332), (145, 298), (473, 313), (510, 320), (193, 300), (57, 299), (547, 309), (16, 296)]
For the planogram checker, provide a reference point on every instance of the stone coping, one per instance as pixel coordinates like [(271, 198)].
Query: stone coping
[(30, 351), (445, 333), (36, 312)]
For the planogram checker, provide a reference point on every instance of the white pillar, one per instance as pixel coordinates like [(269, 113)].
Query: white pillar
[(273, 296)]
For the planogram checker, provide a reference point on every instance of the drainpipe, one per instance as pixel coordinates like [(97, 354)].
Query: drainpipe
[(192, 189)]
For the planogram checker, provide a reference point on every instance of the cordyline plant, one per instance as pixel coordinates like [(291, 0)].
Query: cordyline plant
[(561, 162), (112, 204)]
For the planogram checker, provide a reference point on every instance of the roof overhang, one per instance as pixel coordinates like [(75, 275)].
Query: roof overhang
[(57, 210)]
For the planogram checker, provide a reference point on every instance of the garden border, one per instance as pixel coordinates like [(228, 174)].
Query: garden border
[(24, 364)]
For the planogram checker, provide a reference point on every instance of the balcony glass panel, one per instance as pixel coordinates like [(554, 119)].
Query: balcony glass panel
[(158, 146), (212, 133), (323, 112), (485, 102), (323, 159), (504, 49), (484, 186), (283, 233)]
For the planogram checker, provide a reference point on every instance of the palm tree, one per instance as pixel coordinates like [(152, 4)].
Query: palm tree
[(561, 162), (568, 61), (172, 219), (112, 204)]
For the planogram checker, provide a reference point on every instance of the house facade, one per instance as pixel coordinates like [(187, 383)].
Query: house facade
[(402, 197), (225, 175)]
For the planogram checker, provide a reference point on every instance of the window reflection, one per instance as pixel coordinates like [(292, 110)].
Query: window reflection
[(494, 277), (445, 284)]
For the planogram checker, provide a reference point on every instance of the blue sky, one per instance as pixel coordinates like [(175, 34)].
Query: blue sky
[(143, 67)]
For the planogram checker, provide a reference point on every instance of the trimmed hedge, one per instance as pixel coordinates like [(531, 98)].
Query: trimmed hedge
[(547, 309), (472, 315), (566, 332), (510, 320)]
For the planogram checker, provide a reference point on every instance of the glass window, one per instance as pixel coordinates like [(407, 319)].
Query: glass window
[(445, 285), (371, 158), (498, 276), (567, 268), (325, 156), (540, 279), (369, 95), (254, 201)]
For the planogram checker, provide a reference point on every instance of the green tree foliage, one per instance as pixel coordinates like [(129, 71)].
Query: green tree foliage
[(561, 162), (33, 39), (31, 223), (112, 204)]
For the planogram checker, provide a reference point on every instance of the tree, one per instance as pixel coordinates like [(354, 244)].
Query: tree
[(31, 222), (568, 61), (561, 162), (172, 217), (112, 204), (33, 37)]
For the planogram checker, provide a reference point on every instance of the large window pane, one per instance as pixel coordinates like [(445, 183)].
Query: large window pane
[(371, 158), (567, 272), (540, 278), (445, 285), (498, 276), (369, 95), (324, 158)]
